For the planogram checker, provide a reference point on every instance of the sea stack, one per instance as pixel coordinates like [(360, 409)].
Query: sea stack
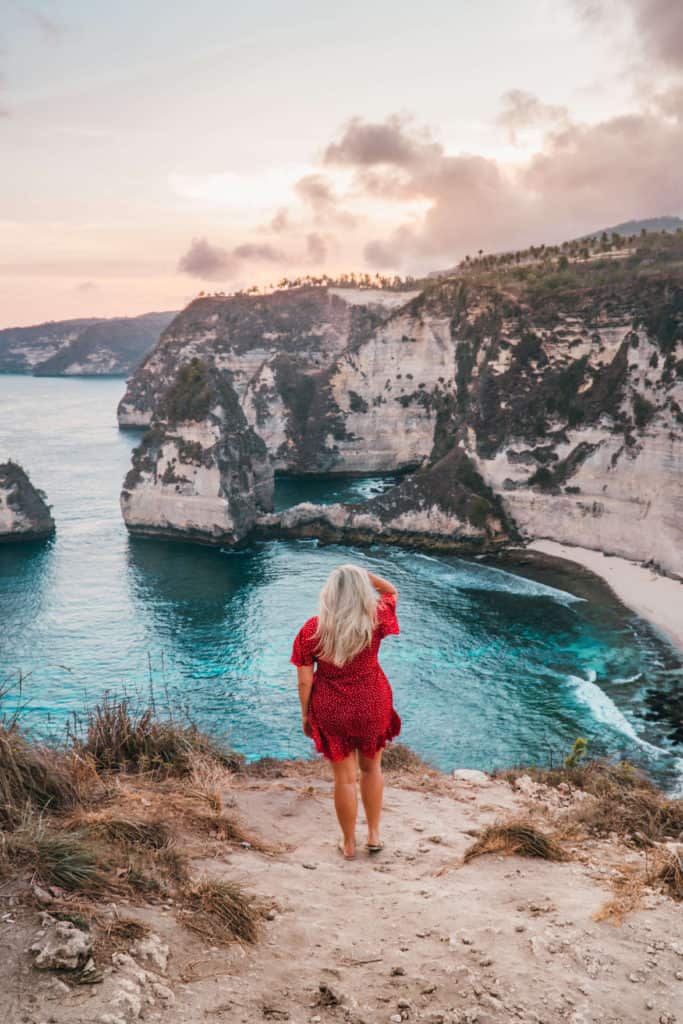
[(201, 474), (24, 512)]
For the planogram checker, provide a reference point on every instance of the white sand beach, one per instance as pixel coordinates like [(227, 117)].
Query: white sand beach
[(656, 598)]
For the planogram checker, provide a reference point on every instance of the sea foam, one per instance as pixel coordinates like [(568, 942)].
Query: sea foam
[(604, 710)]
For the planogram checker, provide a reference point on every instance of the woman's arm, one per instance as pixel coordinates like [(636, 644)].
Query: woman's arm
[(382, 586), (305, 677)]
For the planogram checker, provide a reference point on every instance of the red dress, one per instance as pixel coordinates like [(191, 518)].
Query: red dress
[(351, 706)]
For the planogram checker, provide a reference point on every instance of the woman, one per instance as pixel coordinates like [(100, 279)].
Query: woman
[(346, 702)]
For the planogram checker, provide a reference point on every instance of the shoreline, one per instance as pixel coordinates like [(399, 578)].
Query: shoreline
[(658, 599)]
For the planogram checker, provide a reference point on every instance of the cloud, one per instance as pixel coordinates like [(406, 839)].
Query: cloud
[(281, 221), (86, 287), (262, 253), (521, 110), (208, 261), (316, 249), (369, 144), (581, 177), (658, 25), (317, 192), (213, 262)]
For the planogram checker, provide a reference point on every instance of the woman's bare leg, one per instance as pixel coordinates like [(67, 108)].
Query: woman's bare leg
[(372, 791), (346, 800)]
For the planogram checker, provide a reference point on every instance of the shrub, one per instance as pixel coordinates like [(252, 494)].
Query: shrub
[(643, 410), (119, 738)]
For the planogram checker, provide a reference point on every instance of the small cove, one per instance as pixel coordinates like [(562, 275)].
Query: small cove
[(493, 668)]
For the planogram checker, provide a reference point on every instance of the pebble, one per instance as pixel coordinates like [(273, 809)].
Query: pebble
[(397, 972), (467, 941), (396, 1018), (520, 927), (649, 1005), (309, 867), (403, 1004)]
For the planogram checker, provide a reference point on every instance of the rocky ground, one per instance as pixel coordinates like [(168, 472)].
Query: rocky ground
[(413, 934)]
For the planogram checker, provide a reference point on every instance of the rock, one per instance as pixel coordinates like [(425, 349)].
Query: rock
[(62, 946), (472, 776), (327, 996), (24, 513), (200, 473), (150, 947), (163, 992)]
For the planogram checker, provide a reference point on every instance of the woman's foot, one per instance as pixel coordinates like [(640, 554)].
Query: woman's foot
[(347, 850), (374, 843)]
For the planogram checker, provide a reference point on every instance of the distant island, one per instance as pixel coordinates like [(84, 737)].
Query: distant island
[(81, 348)]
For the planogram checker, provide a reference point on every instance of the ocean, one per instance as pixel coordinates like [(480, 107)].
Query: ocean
[(492, 668)]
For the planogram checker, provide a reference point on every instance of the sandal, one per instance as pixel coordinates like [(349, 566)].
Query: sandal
[(374, 847)]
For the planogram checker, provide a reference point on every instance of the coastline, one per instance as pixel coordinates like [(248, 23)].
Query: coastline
[(659, 599)]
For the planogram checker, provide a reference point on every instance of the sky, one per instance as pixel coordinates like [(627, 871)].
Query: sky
[(151, 150)]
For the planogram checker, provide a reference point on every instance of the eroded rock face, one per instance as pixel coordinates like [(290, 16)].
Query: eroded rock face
[(200, 473), (24, 513), (60, 945), (567, 400), (444, 508)]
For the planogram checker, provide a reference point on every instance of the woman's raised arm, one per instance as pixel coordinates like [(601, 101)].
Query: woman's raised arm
[(382, 586)]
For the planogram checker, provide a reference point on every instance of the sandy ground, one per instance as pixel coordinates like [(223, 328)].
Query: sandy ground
[(413, 934), (656, 598)]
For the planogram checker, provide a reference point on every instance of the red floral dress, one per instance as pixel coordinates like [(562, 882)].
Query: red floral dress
[(351, 706)]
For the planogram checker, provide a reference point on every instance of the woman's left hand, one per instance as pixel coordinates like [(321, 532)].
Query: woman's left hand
[(306, 726)]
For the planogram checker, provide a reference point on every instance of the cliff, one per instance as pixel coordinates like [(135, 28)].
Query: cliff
[(560, 380), (188, 893), (200, 472), (89, 347), (22, 348), (24, 514)]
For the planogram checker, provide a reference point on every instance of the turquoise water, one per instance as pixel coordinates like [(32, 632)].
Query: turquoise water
[(491, 668)]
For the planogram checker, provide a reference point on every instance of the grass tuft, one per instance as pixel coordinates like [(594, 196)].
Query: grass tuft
[(36, 776), (221, 911), (515, 837), (57, 857), (121, 738)]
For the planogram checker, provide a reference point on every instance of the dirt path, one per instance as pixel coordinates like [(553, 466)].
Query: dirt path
[(412, 934)]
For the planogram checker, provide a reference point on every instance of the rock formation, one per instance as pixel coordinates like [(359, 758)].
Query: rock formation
[(24, 514), (562, 383), (200, 473), (89, 347)]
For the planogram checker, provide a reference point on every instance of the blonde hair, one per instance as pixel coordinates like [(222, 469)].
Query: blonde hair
[(347, 614)]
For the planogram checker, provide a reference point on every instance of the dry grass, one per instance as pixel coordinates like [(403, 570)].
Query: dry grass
[(35, 776), (120, 738), (668, 871), (221, 911), (641, 815), (598, 776), (515, 837), (152, 835), (399, 757), (55, 856), (628, 888), (625, 802)]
